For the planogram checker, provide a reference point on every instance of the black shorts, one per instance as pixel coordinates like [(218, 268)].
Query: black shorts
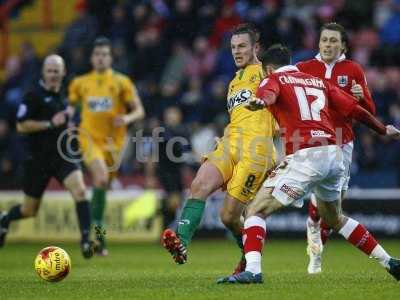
[(37, 172)]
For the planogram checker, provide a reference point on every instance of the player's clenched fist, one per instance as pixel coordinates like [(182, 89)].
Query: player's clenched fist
[(255, 103), (357, 90)]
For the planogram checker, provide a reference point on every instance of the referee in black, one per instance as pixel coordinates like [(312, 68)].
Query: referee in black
[(42, 118)]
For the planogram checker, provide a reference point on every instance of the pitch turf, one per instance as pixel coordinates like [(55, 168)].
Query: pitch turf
[(145, 271)]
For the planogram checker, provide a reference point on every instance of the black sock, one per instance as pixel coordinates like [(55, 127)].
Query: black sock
[(84, 218), (13, 214)]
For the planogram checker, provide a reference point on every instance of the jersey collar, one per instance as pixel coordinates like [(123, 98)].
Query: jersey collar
[(340, 58), (329, 67), (107, 73), (288, 68)]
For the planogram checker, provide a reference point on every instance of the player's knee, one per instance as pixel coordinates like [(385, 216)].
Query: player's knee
[(200, 188), (79, 193)]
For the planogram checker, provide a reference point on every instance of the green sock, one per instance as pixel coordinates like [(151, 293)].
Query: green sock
[(190, 219), (98, 205)]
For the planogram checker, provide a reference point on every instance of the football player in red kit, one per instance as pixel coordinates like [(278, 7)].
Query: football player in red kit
[(331, 64), (301, 104)]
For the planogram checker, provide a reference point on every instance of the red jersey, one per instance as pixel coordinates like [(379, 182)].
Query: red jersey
[(302, 106), (340, 73)]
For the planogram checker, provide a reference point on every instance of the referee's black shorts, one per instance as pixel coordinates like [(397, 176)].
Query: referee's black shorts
[(37, 172)]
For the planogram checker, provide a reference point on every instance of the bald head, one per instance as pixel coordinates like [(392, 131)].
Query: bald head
[(53, 72), (54, 59)]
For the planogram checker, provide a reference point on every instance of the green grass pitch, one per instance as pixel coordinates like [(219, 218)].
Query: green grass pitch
[(145, 271)]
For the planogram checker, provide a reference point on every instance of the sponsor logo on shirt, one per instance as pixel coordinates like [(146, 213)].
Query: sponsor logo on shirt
[(342, 80), (320, 133), (100, 104), (239, 98), (290, 191)]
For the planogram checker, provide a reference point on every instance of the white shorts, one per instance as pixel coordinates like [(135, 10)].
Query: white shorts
[(317, 169), (347, 150)]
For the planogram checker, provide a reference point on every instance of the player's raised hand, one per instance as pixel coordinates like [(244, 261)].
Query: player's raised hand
[(357, 90), (392, 131), (255, 103), (59, 119)]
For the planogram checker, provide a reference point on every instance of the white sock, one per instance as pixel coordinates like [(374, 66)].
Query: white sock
[(253, 262), (381, 256)]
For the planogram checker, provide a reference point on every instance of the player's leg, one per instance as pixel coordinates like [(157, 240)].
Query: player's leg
[(314, 241), (358, 235), (231, 213), (248, 176), (95, 161), (100, 176), (318, 230), (287, 185), (27, 209), (208, 179), (34, 182), (254, 235), (74, 183)]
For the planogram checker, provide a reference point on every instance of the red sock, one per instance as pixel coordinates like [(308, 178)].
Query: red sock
[(325, 231), (313, 212), (253, 241), (359, 236), (254, 235)]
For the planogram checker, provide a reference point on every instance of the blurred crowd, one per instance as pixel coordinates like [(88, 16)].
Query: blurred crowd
[(178, 54)]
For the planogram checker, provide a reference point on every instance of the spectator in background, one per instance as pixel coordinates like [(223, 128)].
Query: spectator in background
[(30, 64), (225, 23), (390, 32), (176, 64), (192, 99), (121, 59), (224, 64), (12, 91), (171, 92), (171, 161), (77, 64), (150, 54), (82, 31), (206, 15), (182, 24), (214, 102), (202, 61), (119, 28)]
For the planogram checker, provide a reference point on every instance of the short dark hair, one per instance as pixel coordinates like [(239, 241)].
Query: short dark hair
[(102, 41), (247, 28), (276, 55), (337, 27)]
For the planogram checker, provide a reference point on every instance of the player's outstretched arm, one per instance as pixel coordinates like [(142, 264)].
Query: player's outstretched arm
[(134, 103), (346, 105), (31, 126), (363, 116)]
